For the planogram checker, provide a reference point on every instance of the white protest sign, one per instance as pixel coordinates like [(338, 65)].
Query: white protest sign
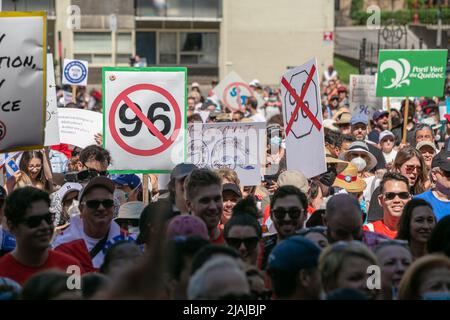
[(75, 72), (145, 118), (302, 114), (362, 95), (235, 145), (78, 126), (22, 80), (51, 126), (396, 102), (233, 92)]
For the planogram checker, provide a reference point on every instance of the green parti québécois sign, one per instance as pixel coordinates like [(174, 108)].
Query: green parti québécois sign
[(411, 73)]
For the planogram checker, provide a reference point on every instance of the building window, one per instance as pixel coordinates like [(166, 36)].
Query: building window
[(97, 47), (94, 47), (198, 48), (124, 48), (167, 48)]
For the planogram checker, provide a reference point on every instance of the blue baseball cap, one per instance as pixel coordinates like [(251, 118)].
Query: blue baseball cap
[(293, 254), (131, 180), (359, 118), (377, 114)]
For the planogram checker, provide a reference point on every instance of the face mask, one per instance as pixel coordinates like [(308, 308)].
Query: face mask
[(360, 163), (121, 196), (275, 140), (442, 189), (133, 229), (73, 209)]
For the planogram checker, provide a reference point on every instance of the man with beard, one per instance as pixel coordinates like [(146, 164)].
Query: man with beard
[(29, 220), (381, 119), (343, 220), (288, 213), (203, 192), (439, 196)]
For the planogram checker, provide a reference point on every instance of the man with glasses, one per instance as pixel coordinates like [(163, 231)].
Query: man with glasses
[(92, 232), (394, 194), (439, 196), (288, 214), (29, 220), (93, 161)]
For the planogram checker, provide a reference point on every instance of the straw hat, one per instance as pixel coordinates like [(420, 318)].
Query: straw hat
[(349, 180)]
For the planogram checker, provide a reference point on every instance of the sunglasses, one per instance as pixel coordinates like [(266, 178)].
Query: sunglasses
[(94, 204), (392, 195), (280, 213), (35, 221), (410, 169), (90, 173), (250, 243)]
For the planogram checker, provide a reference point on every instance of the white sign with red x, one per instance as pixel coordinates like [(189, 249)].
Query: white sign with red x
[(302, 114)]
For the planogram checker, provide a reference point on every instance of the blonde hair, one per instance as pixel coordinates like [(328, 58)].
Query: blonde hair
[(332, 258), (230, 175), (413, 277)]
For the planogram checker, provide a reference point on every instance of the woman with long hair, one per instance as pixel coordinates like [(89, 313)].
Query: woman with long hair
[(410, 163), (35, 168), (416, 225)]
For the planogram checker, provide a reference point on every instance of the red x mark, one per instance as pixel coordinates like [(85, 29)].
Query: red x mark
[(300, 103)]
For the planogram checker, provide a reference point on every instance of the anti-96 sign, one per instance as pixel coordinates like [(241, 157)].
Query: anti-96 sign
[(144, 118)]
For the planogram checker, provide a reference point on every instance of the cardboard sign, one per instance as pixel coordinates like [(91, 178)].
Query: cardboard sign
[(411, 73), (75, 72), (22, 80), (51, 126), (363, 97), (78, 126), (302, 112), (235, 145), (233, 92), (144, 113)]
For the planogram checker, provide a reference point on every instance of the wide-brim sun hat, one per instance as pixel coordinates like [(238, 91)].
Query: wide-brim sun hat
[(359, 146)]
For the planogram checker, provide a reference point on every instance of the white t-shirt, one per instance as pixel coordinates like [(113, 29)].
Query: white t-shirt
[(258, 117), (389, 157)]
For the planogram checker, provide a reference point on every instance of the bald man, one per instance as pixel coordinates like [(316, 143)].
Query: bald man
[(343, 219)]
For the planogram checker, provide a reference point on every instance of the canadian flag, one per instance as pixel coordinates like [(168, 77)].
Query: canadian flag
[(328, 36)]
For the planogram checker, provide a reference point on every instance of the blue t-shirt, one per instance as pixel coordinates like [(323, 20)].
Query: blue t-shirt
[(440, 208)]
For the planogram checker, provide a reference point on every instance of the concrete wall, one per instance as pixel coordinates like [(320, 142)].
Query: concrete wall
[(260, 39)]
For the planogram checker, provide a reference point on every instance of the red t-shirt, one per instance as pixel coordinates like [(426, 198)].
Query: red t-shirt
[(379, 227), (220, 239), (13, 269)]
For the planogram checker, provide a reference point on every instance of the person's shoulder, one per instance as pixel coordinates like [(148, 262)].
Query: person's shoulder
[(6, 259), (424, 195), (62, 258)]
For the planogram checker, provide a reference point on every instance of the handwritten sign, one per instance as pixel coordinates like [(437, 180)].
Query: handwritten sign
[(22, 80), (238, 146), (362, 95), (78, 126)]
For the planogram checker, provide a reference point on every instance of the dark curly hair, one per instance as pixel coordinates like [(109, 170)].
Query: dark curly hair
[(20, 200)]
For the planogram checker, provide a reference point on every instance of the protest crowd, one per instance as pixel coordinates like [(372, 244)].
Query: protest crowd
[(381, 202), (368, 217)]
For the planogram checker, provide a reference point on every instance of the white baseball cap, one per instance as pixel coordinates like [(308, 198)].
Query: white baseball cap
[(384, 134)]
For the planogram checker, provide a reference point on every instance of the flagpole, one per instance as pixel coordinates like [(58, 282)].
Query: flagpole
[(405, 120), (389, 111)]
